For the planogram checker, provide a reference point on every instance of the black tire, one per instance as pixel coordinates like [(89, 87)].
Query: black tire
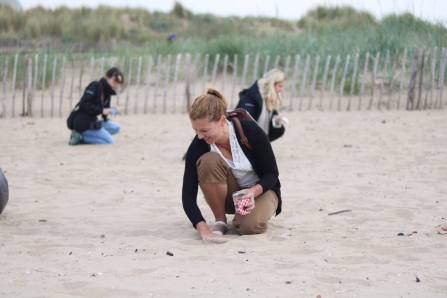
[(4, 191)]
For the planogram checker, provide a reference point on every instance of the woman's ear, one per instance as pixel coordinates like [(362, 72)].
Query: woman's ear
[(223, 119)]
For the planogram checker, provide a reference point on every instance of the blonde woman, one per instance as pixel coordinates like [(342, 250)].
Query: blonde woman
[(220, 164), (261, 101)]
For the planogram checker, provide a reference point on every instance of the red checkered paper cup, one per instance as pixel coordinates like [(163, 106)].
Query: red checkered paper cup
[(242, 207), (237, 197)]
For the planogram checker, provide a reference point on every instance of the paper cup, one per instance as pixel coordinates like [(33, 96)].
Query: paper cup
[(237, 196)]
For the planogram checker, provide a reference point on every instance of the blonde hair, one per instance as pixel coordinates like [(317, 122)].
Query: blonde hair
[(211, 105), (267, 87)]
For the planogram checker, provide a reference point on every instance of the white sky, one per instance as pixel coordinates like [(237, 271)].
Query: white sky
[(430, 10)]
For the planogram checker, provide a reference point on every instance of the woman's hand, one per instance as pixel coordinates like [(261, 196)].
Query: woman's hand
[(106, 111), (205, 231), (252, 193)]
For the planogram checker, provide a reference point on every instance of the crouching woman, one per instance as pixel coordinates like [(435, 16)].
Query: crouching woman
[(221, 164)]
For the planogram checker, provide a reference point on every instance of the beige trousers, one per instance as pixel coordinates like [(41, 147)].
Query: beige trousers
[(211, 168)]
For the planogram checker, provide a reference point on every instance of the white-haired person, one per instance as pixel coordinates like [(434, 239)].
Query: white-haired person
[(261, 101)]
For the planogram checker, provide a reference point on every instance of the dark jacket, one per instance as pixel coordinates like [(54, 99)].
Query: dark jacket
[(251, 100), (261, 158), (91, 105)]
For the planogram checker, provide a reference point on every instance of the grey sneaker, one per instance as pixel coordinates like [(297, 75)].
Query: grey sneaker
[(75, 138)]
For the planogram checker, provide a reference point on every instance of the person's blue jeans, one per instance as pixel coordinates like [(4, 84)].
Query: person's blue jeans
[(103, 135)]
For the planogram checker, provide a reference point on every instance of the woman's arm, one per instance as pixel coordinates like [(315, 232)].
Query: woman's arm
[(261, 157), (247, 102), (275, 132), (191, 182), (89, 102)]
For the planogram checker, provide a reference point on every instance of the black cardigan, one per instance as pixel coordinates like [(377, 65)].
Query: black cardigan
[(261, 158), (91, 106), (251, 100)]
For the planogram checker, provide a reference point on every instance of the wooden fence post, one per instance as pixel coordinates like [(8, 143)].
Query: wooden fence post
[(80, 76), (255, 68), (421, 80), (278, 57), (5, 76), (72, 83), (157, 79), (62, 86), (432, 76), (35, 81), (234, 79), (194, 76), (216, 64), (441, 77), (266, 65), (402, 77), (294, 81), (44, 72), (393, 72), (101, 73), (323, 85), (148, 83), (129, 79), (205, 73), (187, 101), (303, 84), (413, 81), (53, 81), (334, 74), (14, 74), (343, 79), (224, 73), (137, 87), (314, 79), (373, 79), (165, 93), (362, 88), (118, 92), (354, 77), (384, 75), (174, 86), (244, 72), (25, 85), (92, 67), (29, 112), (286, 67)]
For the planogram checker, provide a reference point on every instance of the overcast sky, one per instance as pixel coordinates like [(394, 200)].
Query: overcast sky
[(431, 10)]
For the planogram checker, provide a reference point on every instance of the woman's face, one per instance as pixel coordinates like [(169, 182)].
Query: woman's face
[(278, 87), (210, 132), (114, 82)]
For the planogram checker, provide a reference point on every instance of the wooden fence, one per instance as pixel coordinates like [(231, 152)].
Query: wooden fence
[(51, 85)]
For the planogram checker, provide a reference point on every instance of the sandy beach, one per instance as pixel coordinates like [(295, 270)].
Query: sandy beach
[(98, 221)]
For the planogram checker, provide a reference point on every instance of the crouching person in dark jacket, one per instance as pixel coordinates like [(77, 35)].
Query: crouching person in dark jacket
[(261, 99), (87, 128)]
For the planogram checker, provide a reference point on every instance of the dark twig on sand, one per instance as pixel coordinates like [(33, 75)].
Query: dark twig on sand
[(333, 213)]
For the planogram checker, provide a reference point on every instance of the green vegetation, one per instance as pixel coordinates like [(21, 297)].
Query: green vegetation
[(323, 31), (132, 32)]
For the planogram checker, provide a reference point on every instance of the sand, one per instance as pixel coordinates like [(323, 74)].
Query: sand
[(98, 221)]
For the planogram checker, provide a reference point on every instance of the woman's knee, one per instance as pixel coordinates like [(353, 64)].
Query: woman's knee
[(252, 227), (112, 127), (211, 168)]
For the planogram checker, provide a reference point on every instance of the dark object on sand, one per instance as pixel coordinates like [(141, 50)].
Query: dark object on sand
[(4, 191), (333, 213)]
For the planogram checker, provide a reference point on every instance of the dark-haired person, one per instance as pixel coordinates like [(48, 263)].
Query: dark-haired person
[(261, 101), (220, 164), (96, 102)]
